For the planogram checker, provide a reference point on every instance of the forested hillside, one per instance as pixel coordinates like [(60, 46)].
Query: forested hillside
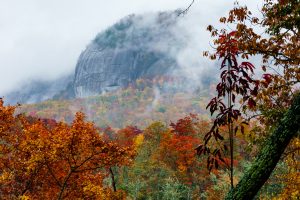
[(143, 102)]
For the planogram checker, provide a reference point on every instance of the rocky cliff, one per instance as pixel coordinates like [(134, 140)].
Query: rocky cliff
[(137, 46)]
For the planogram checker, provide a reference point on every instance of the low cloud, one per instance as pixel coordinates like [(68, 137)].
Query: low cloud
[(43, 39)]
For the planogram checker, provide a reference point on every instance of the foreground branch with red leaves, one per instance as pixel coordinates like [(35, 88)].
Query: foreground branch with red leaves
[(276, 96), (236, 83)]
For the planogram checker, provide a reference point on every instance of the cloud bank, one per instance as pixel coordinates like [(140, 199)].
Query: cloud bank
[(43, 39)]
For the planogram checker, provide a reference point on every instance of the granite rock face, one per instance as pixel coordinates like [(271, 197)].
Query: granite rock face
[(137, 46)]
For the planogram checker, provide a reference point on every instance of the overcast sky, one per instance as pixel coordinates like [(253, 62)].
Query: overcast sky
[(43, 38)]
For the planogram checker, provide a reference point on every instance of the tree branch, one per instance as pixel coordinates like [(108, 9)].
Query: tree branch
[(269, 155), (187, 9)]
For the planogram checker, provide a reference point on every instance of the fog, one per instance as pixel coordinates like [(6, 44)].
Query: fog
[(43, 39)]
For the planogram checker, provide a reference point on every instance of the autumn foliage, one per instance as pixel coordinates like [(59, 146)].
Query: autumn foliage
[(52, 159), (270, 97), (180, 145), (55, 160)]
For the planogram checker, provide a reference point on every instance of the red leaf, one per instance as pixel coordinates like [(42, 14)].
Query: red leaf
[(251, 103), (242, 129)]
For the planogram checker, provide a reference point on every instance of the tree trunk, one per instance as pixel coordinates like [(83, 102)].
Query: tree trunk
[(269, 155), (113, 179)]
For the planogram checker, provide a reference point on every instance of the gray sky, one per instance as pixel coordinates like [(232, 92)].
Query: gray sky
[(43, 38)]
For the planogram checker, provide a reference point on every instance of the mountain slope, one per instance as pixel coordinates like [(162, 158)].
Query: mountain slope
[(40, 90), (139, 104), (137, 46)]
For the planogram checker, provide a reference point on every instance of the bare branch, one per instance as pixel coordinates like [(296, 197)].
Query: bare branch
[(184, 12)]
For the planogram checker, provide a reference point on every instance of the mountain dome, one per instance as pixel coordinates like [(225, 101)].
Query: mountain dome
[(137, 46)]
